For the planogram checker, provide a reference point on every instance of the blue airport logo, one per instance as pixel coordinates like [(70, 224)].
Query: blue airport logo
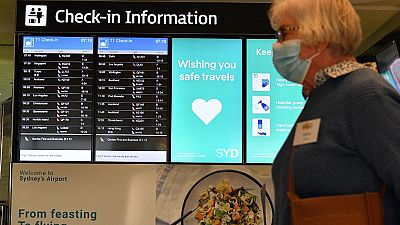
[(35, 15)]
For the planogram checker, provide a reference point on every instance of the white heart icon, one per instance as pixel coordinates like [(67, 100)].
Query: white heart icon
[(206, 111)]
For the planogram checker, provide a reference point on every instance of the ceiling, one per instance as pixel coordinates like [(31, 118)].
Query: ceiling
[(380, 23)]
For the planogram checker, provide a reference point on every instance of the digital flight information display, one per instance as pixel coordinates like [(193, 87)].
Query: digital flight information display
[(56, 99), (108, 99), (132, 99)]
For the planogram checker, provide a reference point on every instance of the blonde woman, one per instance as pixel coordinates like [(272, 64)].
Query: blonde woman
[(347, 139)]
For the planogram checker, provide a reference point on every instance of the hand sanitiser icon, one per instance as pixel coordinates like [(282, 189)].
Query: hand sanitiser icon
[(263, 105)]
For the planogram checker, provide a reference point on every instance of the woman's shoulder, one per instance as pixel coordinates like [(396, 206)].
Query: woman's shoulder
[(365, 88), (364, 77), (367, 82)]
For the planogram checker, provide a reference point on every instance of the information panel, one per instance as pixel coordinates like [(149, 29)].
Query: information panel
[(273, 103), (56, 99), (132, 99), (206, 100)]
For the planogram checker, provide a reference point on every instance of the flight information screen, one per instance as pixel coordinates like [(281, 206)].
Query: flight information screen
[(132, 99), (56, 96)]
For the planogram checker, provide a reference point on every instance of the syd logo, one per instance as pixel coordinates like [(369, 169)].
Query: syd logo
[(227, 152), (35, 15), (206, 111)]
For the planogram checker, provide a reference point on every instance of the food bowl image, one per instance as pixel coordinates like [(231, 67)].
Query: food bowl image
[(225, 197)]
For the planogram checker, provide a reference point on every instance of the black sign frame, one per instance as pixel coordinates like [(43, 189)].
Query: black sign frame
[(173, 17)]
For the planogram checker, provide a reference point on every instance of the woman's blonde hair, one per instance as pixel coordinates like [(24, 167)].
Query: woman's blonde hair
[(333, 22)]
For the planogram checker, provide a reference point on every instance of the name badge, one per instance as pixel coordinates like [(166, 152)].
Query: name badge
[(306, 132)]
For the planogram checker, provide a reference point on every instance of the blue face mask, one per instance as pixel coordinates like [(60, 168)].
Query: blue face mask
[(288, 62)]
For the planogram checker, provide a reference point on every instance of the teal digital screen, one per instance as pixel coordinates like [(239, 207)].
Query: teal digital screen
[(273, 103), (389, 78), (206, 110)]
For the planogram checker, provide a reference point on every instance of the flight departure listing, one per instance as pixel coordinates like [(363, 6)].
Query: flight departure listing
[(56, 99), (132, 99)]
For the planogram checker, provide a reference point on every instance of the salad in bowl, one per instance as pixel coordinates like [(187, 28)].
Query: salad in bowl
[(227, 205)]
